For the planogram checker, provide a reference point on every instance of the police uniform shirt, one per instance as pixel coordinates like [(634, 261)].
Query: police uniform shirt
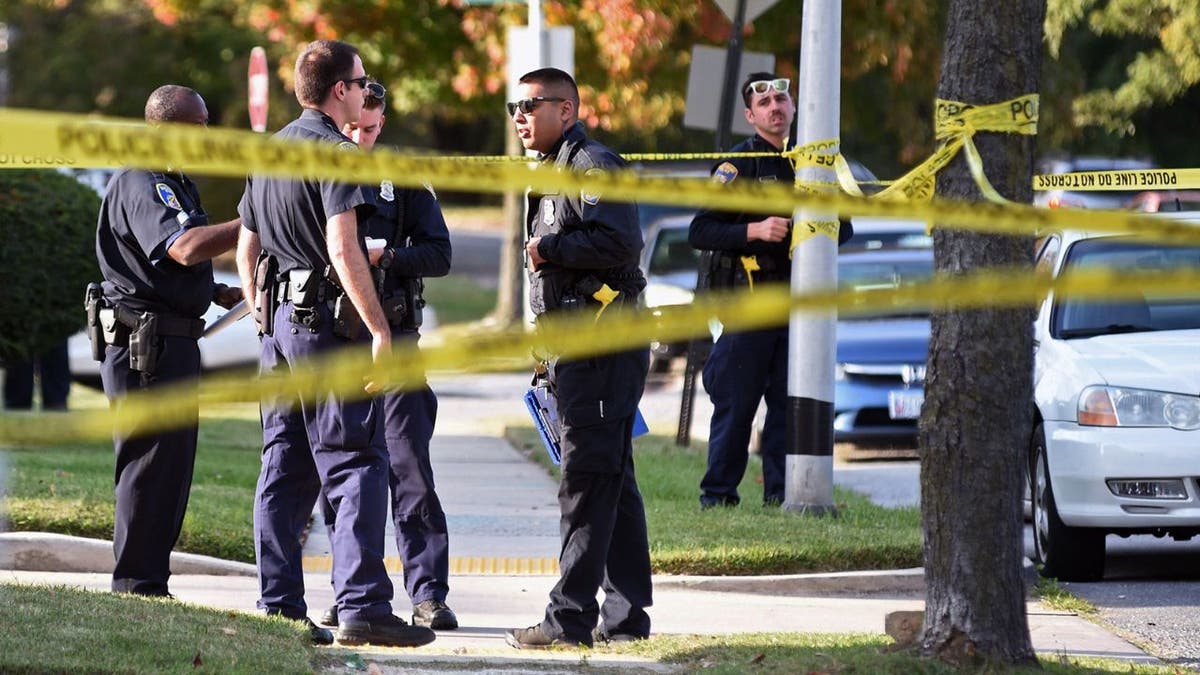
[(422, 242), (143, 213), (726, 231), (582, 233), (290, 215)]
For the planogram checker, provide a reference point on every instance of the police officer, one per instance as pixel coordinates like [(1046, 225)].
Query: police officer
[(154, 244), (315, 264), (748, 248), (580, 247), (417, 244)]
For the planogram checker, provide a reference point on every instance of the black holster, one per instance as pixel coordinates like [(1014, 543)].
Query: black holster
[(93, 300), (346, 321), (265, 300), (144, 346)]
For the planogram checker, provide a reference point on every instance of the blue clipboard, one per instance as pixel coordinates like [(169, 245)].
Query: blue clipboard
[(544, 411)]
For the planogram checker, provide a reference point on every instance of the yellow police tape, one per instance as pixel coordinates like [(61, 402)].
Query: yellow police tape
[(575, 336), (1131, 179), (226, 152)]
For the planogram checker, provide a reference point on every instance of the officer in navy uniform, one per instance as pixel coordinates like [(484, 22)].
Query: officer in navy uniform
[(580, 247), (417, 245), (315, 261), (748, 248), (154, 245)]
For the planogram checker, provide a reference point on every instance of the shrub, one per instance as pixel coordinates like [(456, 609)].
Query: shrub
[(47, 258)]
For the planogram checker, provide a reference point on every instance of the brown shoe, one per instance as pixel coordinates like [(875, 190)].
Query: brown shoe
[(535, 637)]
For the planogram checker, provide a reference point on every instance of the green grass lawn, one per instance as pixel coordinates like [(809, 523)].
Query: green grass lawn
[(64, 630), (458, 299), (69, 489), (824, 653), (750, 539)]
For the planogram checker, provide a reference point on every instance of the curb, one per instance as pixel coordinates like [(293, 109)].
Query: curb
[(905, 581), (47, 552)]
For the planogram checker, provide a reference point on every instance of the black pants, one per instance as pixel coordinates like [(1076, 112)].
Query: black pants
[(153, 472), (54, 368), (603, 520)]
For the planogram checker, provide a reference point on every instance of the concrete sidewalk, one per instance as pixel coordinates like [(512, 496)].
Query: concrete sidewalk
[(501, 508)]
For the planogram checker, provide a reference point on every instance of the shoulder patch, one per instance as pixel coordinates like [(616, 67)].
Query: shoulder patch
[(167, 196), (591, 198), (347, 145), (725, 173)]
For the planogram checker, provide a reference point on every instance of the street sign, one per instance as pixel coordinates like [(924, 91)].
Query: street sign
[(753, 8), (704, 87), (258, 89), (556, 49)]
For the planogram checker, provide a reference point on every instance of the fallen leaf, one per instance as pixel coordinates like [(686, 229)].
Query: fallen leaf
[(758, 659), (197, 661), (229, 631), (459, 650)]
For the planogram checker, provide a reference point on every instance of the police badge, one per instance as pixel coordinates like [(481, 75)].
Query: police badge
[(387, 191), (548, 211), (167, 196)]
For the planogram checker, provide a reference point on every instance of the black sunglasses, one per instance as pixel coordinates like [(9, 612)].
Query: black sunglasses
[(376, 90), (527, 105), (361, 81)]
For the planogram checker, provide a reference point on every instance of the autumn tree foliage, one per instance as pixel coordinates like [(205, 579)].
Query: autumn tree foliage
[(446, 58)]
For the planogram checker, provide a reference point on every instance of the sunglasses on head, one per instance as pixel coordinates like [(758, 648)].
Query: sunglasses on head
[(376, 90), (779, 84), (527, 105)]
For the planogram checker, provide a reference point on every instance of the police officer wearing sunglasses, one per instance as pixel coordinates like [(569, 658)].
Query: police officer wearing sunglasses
[(746, 249), (301, 256), (416, 244), (579, 244)]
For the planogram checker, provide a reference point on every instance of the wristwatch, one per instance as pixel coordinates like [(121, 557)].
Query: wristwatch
[(386, 258)]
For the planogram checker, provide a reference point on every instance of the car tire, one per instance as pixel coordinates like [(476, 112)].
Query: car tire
[(1062, 552)]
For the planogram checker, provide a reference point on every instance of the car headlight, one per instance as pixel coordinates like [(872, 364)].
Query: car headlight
[(1101, 406)]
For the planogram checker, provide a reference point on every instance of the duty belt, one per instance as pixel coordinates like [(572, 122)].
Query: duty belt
[(287, 288), (167, 324)]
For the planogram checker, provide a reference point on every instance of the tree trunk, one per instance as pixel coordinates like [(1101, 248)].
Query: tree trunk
[(976, 418), (510, 306)]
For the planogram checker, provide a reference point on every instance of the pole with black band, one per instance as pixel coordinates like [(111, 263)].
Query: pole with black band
[(812, 344)]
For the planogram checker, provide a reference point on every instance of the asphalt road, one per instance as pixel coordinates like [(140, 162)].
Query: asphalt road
[(477, 255)]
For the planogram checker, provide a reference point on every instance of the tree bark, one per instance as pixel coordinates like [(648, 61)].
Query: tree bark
[(976, 418), (510, 305)]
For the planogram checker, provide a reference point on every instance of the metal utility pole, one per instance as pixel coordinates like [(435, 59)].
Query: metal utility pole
[(812, 345)]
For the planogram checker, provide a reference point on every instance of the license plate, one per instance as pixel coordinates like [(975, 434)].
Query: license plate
[(905, 404)]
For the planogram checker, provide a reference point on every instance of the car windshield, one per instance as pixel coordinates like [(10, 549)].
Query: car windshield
[(672, 252), (867, 273), (1175, 310)]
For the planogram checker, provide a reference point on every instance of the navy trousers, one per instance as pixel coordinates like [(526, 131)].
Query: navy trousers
[(743, 369), (153, 471), (420, 523), (603, 520), (53, 366), (314, 444)]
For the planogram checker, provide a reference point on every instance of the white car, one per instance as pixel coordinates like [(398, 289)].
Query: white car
[(1115, 447)]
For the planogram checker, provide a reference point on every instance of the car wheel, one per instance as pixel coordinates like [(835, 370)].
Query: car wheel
[(1063, 552)]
